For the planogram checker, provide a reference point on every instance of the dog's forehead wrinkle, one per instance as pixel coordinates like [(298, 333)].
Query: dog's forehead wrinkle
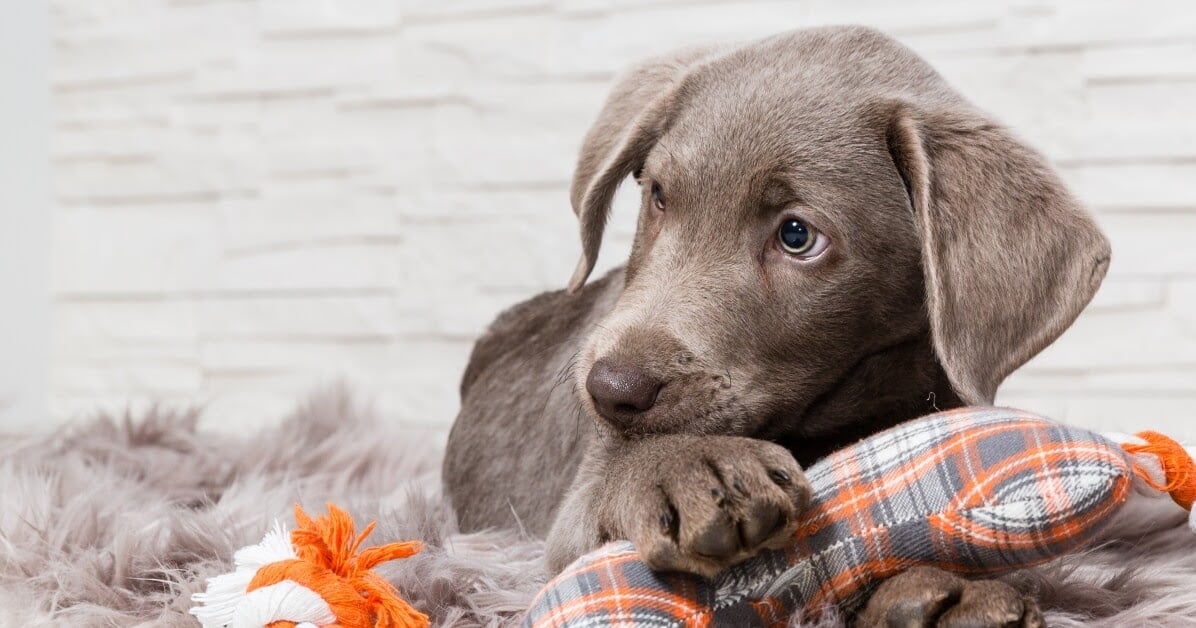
[(814, 160)]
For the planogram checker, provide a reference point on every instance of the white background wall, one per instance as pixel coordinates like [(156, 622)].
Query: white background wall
[(254, 197), (25, 213)]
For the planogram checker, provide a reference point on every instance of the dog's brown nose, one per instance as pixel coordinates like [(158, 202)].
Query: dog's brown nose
[(621, 391)]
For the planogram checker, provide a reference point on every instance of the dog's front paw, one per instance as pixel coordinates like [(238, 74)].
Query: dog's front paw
[(925, 596), (701, 504)]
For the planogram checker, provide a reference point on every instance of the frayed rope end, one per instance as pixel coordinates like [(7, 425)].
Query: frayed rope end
[(1179, 470)]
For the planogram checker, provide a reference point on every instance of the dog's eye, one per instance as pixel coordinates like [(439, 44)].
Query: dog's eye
[(797, 238), (657, 196)]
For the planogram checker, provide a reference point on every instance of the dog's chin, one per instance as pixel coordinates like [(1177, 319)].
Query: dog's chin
[(697, 421)]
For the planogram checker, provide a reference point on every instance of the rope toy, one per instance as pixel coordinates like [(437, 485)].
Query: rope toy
[(1176, 471), (975, 491), (317, 579)]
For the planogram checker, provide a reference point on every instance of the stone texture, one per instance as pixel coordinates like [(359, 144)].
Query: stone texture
[(259, 196)]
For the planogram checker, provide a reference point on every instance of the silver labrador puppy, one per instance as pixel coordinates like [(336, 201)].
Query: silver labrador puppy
[(831, 241)]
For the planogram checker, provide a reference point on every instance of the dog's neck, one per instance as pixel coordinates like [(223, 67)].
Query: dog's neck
[(900, 382)]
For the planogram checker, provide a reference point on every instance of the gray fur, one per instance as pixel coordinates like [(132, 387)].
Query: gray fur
[(116, 521), (632, 406)]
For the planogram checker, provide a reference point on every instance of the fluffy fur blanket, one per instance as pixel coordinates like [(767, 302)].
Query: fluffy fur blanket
[(117, 521)]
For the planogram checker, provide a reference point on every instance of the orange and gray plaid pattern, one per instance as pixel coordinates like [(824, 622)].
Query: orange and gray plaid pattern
[(974, 491)]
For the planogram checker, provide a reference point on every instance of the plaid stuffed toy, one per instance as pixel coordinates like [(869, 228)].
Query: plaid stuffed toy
[(974, 491)]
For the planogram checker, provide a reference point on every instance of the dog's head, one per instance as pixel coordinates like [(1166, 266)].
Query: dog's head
[(811, 202)]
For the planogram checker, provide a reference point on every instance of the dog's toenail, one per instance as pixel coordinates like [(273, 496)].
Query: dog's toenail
[(779, 476), (737, 484), (718, 494)]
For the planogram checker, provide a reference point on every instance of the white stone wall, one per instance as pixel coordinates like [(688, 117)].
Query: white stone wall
[(254, 197), (25, 214)]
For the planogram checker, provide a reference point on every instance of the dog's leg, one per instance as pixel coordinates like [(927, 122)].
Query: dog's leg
[(697, 504), (575, 529), (926, 596)]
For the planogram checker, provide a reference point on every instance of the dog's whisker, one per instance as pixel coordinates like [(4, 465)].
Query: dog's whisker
[(562, 376)]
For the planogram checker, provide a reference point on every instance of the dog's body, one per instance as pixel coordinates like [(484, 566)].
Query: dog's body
[(832, 241)]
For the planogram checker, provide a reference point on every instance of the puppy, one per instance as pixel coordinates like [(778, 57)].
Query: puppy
[(831, 241)]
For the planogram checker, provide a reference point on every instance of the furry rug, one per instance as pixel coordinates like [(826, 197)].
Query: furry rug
[(117, 521)]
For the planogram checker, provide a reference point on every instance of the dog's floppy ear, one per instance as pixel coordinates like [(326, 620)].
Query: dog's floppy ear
[(1009, 257), (635, 115)]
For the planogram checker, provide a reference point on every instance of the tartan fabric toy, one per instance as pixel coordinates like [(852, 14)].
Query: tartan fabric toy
[(974, 491)]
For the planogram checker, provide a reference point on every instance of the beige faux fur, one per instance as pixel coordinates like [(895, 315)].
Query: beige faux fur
[(117, 521)]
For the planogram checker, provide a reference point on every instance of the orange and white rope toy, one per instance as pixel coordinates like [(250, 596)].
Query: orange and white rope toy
[(1164, 478), (315, 579)]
